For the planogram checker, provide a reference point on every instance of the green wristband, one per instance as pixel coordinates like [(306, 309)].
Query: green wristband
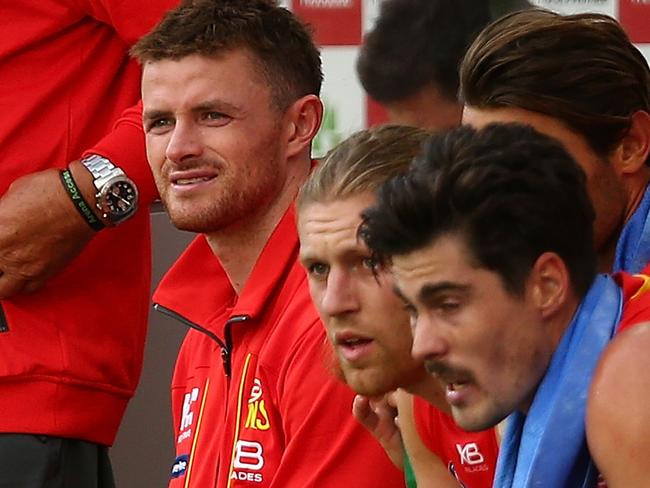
[(79, 202)]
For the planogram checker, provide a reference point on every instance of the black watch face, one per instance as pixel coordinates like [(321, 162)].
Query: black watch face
[(120, 198)]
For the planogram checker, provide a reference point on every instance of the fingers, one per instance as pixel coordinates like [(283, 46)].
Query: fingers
[(363, 412), (385, 411)]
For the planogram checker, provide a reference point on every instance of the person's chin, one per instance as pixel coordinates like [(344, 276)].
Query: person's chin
[(473, 421), (364, 383)]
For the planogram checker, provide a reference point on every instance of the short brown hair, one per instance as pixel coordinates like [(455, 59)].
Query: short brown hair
[(362, 163), (281, 45), (581, 69)]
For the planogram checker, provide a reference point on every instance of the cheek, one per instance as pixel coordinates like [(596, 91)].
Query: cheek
[(316, 290), (155, 148)]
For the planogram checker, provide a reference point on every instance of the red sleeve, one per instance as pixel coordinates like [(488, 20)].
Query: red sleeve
[(125, 147), (131, 19), (325, 445)]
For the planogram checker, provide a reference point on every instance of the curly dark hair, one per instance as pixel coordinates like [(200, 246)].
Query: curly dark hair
[(508, 191)]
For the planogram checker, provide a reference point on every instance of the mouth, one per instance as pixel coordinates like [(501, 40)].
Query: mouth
[(190, 181), (187, 179), (352, 347), (459, 394), (458, 385), (453, 383)]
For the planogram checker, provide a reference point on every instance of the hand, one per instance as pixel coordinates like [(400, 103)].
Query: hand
[(40, 232), (379, 416)]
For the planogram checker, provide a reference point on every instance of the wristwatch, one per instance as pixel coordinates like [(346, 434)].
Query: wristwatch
[(117, 195)]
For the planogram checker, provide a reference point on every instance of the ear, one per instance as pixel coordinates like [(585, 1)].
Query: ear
[(632, 152), (303, 119), (550, 283)]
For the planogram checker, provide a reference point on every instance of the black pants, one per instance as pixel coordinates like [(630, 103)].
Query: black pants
[(38, 461)]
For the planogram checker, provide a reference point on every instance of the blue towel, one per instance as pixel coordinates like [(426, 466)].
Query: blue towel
[(547, 448), (633, 247)]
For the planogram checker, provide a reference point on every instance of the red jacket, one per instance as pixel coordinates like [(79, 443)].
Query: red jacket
[(72, 352), (470, 456), (253, 404)]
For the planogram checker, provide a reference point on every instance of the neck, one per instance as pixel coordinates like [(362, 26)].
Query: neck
[(636, 190), (607, 252), (239, 245), (431, 390), (556, 325)]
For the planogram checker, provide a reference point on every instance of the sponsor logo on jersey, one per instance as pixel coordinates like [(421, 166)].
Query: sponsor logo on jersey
[(187, 415), (471, 458), (470, 454), (180, 466), (257, 418), (249, 455)]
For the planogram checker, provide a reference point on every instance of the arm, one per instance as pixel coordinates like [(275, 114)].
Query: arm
[(378, 417), (618, 417), (40, 232), (130, 20), (40, 229), (429, 469)]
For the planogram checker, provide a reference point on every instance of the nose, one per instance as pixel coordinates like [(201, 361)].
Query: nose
[(340, 295), (184, 143), (428, 342)]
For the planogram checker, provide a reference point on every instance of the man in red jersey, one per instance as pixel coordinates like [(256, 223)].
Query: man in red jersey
[(72, 349), (490, 240), (366, 323), (230, 93)]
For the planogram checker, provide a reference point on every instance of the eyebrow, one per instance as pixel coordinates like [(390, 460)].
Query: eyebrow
[(155, 114), (216, 105), (429, 290)]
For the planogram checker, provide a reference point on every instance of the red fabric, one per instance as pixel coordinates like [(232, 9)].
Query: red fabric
[(636, 298), (73, 353), (470, 456), (288, 418)]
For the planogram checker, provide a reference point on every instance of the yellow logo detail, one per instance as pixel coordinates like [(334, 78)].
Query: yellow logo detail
[(258, 418), (644, 287)]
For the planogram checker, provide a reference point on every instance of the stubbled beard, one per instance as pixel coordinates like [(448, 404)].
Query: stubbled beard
[(209, 216), (331, 363)]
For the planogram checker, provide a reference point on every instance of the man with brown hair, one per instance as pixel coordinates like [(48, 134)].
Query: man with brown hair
[(230, 93), (579, 79), (366, 323)]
